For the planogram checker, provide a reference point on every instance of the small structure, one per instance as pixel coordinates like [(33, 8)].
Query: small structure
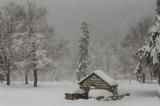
[(96, 80), (99, 80), (77, 94)]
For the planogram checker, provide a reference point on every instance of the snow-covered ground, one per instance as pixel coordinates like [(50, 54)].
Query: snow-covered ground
[(52, 94)]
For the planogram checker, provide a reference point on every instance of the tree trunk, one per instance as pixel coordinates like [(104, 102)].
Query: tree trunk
[(35, 78), (8, 77), (1, 78), (26, 78), (159, 78), (144, 79), (8, 74)]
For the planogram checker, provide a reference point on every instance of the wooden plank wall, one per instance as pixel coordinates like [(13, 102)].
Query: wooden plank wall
[(95, 81)]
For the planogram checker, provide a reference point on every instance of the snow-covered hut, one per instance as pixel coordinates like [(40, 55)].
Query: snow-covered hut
[(99, 80)]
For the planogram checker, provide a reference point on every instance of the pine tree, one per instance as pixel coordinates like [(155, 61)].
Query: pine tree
[(149, 55), (83, 51)]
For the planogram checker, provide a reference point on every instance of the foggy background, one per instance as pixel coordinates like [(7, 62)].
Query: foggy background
[(109, 22), (106, 17)]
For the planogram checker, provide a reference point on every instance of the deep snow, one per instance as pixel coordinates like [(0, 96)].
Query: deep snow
[(52, 94)]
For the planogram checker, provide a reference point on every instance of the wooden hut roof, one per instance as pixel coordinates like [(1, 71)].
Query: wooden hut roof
[(103, 76)]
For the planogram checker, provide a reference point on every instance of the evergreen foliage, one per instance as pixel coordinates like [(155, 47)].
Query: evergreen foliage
[(83, 52), (149, 55)]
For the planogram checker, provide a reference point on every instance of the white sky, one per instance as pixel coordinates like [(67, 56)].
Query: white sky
[(106, 17)]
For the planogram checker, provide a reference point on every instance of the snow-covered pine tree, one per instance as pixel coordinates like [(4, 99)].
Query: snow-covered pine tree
[(149, 55), (83, 51)]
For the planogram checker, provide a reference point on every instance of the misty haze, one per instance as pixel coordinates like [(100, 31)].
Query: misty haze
[(79, 52)]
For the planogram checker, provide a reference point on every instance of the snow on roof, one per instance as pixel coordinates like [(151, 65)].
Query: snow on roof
[(103, 76)]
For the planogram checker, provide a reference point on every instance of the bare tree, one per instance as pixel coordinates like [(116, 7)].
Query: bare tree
[(8, 16)]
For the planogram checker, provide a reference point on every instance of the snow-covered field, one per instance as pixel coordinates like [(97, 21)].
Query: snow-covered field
[(52, 94)]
